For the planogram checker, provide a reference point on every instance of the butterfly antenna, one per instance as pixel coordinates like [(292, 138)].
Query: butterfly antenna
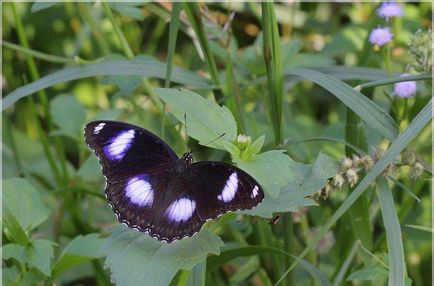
[(186, 133), (220, 136)]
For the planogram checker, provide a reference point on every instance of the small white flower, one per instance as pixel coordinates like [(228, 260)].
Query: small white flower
[(352, 177), (243, 139), (347, 163), (339, 180)]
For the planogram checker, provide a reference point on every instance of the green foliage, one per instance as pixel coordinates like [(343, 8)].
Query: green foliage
[(69, 116), (262, 75), (136, 258), (23, 208), (80, 250), (206, 120)]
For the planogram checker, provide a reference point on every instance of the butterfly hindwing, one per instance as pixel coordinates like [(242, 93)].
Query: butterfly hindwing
[(125, 150), (220, 187)]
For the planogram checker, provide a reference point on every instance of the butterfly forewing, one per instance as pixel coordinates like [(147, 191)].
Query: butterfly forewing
[(152, 190), (126, 150)]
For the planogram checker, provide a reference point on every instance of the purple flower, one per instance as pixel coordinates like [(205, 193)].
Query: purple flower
[(389, 9), (380, 36), (405, 89)]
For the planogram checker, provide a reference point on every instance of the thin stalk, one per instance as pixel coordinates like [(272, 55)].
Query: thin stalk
[(346, 265), (193, 14), (173, 33), (273, 63), (38, 55), (123, 41), (95, 27), (233, 99), (288, 243), (44, 101)]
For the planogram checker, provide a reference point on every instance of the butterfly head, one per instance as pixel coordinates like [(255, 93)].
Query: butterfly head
[(188, 157)]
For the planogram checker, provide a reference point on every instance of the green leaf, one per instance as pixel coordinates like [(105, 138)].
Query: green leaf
[(37, 254), (206, 120), (271, 169), (369, 273), (419, 122), (145, 67), (393, 234), (41, 256), (365, 108), (90, 170), (11, 276), (24, 203), (129, 9), (304, 180), (80, 250), (137, 259), (69, 115), (127, 84)]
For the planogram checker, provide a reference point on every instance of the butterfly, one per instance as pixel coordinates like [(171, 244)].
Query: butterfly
[(152, 190)]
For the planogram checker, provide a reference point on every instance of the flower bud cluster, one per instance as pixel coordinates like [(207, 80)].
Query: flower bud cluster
[(351, 169)]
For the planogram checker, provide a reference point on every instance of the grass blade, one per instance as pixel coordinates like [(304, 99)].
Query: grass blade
[(173, 33), (273, 63), (365, 108), (393, 234), (402, 141), (393, 80), (144, 67), (193, 13)]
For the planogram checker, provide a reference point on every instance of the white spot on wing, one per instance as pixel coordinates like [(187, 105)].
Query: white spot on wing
[(119, 145), (98, 128), (254, 192), (181, 210), (139, 191), (230, 188)]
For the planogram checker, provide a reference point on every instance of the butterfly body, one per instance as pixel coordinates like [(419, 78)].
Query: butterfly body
[(152, 190)]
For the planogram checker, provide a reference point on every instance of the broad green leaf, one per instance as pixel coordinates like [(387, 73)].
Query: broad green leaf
[(127, 84), (393, 234), (41, 256), (206, 120), (24, 203), (37, 254), (303, 181), (353, 73), (69, 115), (369, 273), (365, 108), (398, 145), (15, 251), (11, 276), (80, 250), (271, 169), (137, 259), (90, 170), (129, 9), (145, 67)]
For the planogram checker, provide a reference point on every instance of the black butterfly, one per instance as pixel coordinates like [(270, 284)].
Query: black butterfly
[(152, 190)]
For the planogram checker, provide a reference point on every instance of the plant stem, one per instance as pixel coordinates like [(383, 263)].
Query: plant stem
[(44, 101), (123, 41), (38, 55)]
